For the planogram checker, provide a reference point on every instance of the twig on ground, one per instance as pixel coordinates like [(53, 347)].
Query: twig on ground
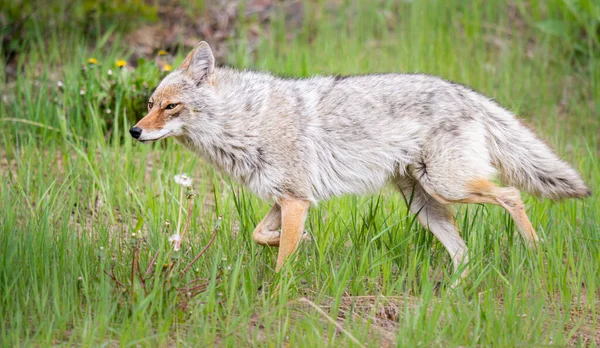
[(194, 288), (197, 257), (331, 320), (112, 276), (151, 263)]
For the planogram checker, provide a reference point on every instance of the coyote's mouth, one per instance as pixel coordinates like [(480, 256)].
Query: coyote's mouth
[(155, 139)]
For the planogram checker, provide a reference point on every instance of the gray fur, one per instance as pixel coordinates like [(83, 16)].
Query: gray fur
[(327, 136), (320, 137)]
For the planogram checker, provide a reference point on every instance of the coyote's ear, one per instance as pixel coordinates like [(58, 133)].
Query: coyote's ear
[(200, 63)]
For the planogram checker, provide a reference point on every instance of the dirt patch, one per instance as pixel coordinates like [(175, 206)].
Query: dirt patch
[(181, 28), (383, 314)]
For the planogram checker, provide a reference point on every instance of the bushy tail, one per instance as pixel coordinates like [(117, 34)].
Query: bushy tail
[(526, 162)]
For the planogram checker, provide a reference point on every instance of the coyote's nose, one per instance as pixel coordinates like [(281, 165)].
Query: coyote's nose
[(135, 132)]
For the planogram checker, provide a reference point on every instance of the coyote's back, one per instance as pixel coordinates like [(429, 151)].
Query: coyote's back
[(359, 131)]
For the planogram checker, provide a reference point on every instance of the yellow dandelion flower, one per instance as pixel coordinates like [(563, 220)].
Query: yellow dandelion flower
[(162, 53), (167, 67), (93, 61), (121, 63)]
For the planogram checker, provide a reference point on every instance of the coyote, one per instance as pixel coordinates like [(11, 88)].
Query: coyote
[(298, 141)]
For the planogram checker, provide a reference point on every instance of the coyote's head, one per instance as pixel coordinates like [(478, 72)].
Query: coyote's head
[(182, 99)]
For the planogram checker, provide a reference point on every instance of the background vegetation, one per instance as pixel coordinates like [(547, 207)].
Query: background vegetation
[(84, 210)]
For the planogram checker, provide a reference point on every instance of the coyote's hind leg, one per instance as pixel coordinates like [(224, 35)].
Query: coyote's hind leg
[(436, 217), (509, 198)]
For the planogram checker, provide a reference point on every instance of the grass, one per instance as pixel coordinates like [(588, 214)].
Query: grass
[(74, 187)]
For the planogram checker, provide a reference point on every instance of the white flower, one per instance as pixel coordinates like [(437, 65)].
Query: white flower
[(109, 72), (60, 84), (183, 180), (174, 238)]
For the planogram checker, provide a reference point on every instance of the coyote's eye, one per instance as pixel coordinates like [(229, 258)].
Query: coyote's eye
[(171, 106), (150, 105)]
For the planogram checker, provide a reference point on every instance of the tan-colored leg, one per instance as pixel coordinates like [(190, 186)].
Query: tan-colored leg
[(267, 231), (293, 215), (509, 198)]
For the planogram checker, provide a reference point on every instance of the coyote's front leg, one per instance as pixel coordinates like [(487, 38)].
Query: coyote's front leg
[(267, 232), (293, 215)]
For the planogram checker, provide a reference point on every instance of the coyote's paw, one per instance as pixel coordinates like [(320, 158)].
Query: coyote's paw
[(271, 238)]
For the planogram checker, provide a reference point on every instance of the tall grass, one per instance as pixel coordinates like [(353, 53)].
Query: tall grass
[(74, 187)]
